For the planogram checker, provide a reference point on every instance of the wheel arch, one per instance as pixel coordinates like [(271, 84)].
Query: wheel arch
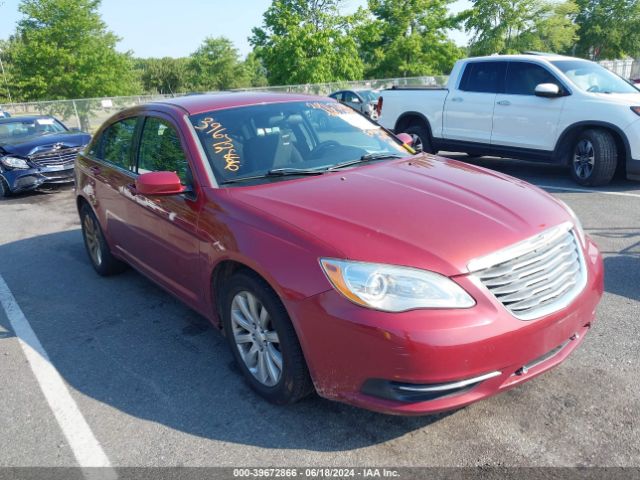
[(568, 136), (410, 118), (221, 273), (80, 201)]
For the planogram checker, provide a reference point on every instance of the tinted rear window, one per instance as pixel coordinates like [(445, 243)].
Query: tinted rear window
[(484, 77)]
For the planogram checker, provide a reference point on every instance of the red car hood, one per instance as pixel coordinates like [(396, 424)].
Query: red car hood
[(426, 212)]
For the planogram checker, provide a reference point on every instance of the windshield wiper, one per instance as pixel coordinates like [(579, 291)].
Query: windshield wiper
[(364, 158), (278, 172), (289, 171)]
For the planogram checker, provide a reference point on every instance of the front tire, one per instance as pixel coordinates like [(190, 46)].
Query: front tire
[(5, 191), (594, 158), (421, 138), (262, 340), (99, 253)]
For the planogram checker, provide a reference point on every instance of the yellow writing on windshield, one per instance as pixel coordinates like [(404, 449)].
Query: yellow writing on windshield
[(333, 109), (224, 144)]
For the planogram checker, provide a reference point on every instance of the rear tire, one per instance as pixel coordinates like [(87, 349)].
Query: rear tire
[(421, 138), (99, 253), (263, 341), (594, 158)]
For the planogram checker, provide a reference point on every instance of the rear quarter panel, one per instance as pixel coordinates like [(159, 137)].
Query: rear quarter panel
[(426, 102)]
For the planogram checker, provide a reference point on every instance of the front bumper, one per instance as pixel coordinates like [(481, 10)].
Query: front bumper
[(28, 179), (361, 356)]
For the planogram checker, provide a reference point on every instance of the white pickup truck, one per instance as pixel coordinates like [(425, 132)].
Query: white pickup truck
[(542, 107)]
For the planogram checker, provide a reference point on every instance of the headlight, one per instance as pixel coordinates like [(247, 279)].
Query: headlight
[(13, 162), (576, 221), (393, 289)]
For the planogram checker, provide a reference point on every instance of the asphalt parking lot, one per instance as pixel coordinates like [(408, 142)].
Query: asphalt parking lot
[(156, 384)]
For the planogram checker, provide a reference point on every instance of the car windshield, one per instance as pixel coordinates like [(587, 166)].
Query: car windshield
[(18, 129), (294, 138), (592, 77)]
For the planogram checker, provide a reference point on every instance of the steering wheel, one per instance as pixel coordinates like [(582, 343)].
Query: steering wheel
[(593, 88), (322, 146)]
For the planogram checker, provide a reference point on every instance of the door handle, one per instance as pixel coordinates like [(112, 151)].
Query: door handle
[(504, 102), (457, 99)]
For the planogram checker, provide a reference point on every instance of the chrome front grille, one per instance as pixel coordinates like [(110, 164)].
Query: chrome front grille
[(55, 157), (536, 277)]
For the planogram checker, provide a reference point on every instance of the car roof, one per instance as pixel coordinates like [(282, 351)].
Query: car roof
[(527, 56), (24, 118), (195, 104)]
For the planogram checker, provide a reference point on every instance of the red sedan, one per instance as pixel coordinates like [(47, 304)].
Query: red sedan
[(332, 256)]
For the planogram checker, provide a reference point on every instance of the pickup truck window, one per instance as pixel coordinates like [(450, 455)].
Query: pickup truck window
[(484, 77), (523, 77)]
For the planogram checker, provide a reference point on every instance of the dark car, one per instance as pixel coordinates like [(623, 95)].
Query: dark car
[(362, 100), (36, 150)]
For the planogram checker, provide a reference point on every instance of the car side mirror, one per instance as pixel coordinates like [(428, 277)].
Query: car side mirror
[(405, 138), (547, 90), (159, 183)]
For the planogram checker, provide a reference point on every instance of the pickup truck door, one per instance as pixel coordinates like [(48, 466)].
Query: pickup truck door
[(468, 109), (522, 119)]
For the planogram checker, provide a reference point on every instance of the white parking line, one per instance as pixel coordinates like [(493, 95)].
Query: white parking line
[(83, 443), (584, 190)]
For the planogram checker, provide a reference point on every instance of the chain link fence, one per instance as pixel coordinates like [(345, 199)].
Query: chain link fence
[(628, 68), (89, 113), (85, 114)]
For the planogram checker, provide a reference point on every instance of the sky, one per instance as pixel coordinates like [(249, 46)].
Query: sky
[(175, 28)]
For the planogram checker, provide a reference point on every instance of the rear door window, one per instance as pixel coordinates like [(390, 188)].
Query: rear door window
[(116, 143), (484, 77)]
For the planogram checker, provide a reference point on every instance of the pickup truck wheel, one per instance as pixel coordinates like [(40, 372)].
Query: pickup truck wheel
[(263, 341), (594, 158), (421, 140)]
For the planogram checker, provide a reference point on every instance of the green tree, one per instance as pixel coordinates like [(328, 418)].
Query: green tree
[(555, 30), (163, 75), (495, 25), (255, 71), (307, 41), (8, 89), (608, 28), (216, 65), (514, 26), (408, 37), (63, 50)]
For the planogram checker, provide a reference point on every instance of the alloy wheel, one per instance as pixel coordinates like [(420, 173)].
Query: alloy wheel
[(584, 159), (256, 338), (92, 239)]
